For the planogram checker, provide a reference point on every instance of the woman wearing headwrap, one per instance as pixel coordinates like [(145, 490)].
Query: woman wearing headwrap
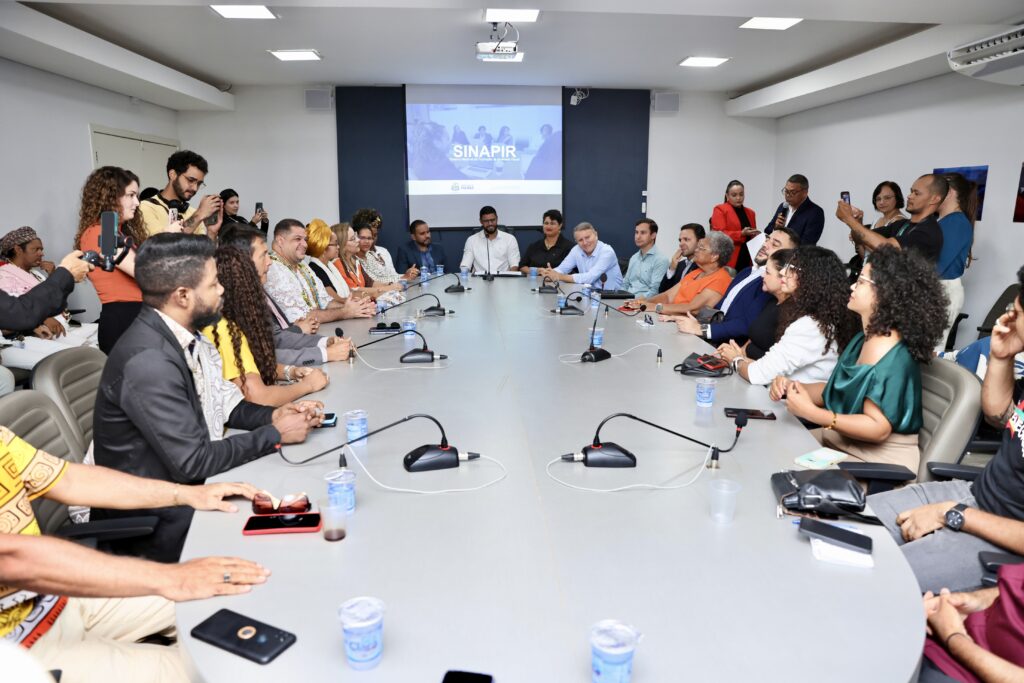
[(22, 249)]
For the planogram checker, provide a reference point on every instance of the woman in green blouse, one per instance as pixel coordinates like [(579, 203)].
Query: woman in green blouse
[(870, 408)]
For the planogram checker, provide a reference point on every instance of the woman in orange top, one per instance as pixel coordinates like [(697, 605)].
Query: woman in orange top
[(702, 287), (736, 221), (359, 283), (112, 189)]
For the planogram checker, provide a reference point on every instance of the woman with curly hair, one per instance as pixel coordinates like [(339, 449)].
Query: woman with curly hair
[(374, 259), (110, 188), (871, 406), (244, 339), (814, 325)]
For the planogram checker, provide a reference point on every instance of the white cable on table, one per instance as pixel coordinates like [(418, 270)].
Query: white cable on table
[(504, 473), (614, 355), (409, 367), (655, 487)]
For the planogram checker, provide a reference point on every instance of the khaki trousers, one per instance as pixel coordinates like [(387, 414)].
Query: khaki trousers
[(898, 449), (94, 639)]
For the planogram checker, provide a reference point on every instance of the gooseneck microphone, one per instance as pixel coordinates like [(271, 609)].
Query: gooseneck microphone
[(420, 459), (423, 355), (580, 296), (547, 286), (437, 310), (594, 355), (420, 283), (488, 276), (610, 454), (457, 288)]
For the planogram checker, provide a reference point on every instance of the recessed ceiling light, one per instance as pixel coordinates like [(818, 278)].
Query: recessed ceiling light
[(771, 23), (703, 61), (518, 57), (296, 55), (514, 16), (243, 11)]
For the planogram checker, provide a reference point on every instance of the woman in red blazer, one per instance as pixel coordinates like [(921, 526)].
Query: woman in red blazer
[(736, 221)]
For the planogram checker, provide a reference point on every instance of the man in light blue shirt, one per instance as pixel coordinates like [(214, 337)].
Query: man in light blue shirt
[(591, 258), (647, 266)]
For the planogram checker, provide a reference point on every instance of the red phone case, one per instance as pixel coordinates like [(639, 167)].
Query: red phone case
[(283, 530)]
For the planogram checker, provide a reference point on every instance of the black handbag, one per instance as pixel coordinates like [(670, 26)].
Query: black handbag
[(706, 365), (821, 492)]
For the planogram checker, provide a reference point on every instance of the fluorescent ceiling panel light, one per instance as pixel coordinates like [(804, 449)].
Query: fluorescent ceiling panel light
[(296, 55), (513, 59), (243, 11), (513, 16), (703, 61), (771, 23)]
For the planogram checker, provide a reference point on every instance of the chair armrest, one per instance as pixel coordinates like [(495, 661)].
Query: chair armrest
[(947, 470), (110, 529), (875, 470)]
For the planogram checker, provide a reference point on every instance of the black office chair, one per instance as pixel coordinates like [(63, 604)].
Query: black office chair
[(985, 329)]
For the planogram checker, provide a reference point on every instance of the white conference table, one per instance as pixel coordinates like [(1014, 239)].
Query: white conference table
[(507, 580)]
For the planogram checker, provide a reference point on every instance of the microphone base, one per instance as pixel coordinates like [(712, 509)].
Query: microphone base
[(595, 355), (487, 277), (569, 310), (434, 312), (454, 289), (607, 455), (547, 289), (431, 457), (417, 356)]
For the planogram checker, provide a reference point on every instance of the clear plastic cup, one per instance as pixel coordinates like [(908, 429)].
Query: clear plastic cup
[(362, 624), (464, 275), (409, 325), (612, 645), (724, 493), (438, 270), (356, 424), (561, 301), (335, 519), (598, 337), (706, 391), (341, 488), (533, 273), (595, 299)]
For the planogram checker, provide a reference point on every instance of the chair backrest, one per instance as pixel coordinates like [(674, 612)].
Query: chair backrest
[(998, 308), (70, 378), (950, 406), (36, 419)]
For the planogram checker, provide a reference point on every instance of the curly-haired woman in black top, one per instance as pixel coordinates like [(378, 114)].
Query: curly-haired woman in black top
[(871, 406), (244, 339)]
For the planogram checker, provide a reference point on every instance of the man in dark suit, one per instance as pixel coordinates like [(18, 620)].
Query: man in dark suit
[(681, 262), (162, 403), (798, 213), (744, 299), (419, 251)]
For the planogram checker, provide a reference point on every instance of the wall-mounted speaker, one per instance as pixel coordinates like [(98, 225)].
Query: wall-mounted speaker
[(320, 99), (666, 102)]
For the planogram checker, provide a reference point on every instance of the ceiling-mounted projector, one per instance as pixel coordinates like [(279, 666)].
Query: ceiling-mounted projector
[(498, 51)]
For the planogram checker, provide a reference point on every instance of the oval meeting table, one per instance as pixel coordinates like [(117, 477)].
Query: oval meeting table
[(506, 580)]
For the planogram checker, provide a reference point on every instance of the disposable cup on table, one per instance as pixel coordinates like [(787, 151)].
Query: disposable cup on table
[(724, 493), (356, 424), (409, 325), (598, 337), (362, 625), (706, 391), (334, 517), (612, 645)]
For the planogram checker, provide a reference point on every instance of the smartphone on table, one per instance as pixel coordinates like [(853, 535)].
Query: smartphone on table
[(258, 525)]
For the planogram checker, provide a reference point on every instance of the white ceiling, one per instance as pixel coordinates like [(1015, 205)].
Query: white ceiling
[(595, 43)]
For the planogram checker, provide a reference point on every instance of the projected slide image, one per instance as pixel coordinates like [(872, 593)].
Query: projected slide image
[(484, 149)]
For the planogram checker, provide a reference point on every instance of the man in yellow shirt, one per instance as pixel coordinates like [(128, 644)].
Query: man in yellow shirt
[(50, 588), (186, 171)]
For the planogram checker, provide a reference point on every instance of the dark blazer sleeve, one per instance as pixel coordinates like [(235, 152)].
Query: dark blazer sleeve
[(152, 391), (402, 262), (45, 300), (771, 220), (741, 314), (814, 224)]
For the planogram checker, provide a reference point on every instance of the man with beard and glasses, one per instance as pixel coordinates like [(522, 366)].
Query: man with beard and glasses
[(163, 404), (186, 172), (491, 250)]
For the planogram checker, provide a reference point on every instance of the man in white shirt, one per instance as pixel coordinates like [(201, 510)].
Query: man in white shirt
[(490, 250)]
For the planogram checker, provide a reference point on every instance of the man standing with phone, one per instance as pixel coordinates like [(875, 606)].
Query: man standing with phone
[(186, 172)]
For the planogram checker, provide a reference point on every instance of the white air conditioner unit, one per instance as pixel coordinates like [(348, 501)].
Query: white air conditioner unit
[(998, 59)]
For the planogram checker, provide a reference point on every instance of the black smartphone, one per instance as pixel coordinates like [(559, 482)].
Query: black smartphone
[(835, 535), (282, 524), (751, 413), (243, 636), (387, 329), (466, 677), (845, 196), (330, 420), (259, 207), (108, 233), (991, 561)]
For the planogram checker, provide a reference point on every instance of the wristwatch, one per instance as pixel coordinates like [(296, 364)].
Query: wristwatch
[(705, 331), (658, 307), (955, 516)]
